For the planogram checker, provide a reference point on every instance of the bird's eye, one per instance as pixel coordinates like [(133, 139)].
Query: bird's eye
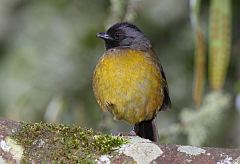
[(118, 35)]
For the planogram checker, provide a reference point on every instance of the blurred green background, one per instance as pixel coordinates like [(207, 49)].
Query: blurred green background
[(48, 51)]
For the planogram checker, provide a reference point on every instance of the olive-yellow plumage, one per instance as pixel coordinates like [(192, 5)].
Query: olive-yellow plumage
[(129, 84), (129, 81)]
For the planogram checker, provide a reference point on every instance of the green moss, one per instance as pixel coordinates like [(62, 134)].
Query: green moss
[(45, 142)]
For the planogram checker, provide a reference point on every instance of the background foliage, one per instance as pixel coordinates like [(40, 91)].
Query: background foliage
[(48, 51)]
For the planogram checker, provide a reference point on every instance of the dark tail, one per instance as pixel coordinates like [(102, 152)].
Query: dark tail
[(147, 129)]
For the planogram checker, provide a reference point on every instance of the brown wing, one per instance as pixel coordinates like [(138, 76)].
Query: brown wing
[(167, 101)]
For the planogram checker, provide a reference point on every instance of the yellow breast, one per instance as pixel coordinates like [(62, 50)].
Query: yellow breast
[(128, 84)]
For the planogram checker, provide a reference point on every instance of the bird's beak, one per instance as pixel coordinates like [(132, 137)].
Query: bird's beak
[(104, 35)]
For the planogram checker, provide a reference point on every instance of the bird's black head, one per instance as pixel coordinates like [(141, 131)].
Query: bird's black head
[(124, 35)]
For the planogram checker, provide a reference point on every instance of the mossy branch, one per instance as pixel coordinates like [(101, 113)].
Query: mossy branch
[(56, 143)]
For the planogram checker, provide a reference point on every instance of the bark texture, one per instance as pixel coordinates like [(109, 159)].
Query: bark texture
[(137, 150)]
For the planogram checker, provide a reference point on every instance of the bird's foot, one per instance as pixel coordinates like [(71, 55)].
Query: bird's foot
[(131, 133)]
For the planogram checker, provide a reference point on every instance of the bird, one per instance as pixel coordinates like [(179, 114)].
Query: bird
[(129, 81)]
